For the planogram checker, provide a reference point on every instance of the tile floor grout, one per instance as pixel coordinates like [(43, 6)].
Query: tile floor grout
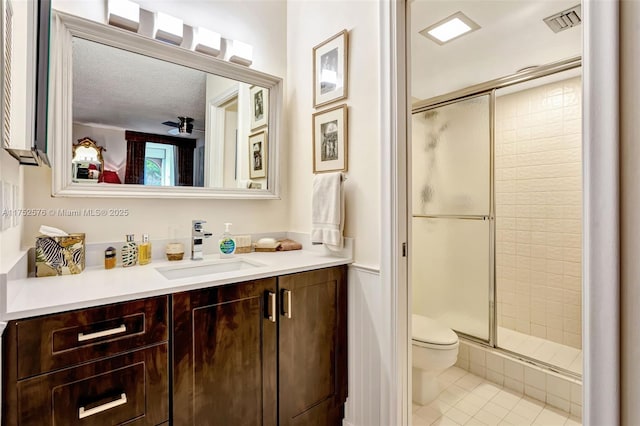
[(466, 399)]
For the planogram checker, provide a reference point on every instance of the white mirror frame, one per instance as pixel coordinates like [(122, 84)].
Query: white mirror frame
[(60, 124)]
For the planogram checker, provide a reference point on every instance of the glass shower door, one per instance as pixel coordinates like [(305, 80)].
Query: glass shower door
[(451, 215)]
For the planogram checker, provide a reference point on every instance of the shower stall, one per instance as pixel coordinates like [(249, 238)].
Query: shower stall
[(496, 196)]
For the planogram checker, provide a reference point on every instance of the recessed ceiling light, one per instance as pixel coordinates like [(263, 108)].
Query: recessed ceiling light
[(450, 28)]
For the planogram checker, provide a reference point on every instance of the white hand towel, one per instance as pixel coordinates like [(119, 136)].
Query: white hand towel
[(327, 210)]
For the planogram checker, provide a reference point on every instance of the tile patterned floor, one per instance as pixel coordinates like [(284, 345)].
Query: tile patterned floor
[(466, 399), (543, 350)]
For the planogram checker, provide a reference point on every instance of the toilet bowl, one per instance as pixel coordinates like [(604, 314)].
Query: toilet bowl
[(434, 349)]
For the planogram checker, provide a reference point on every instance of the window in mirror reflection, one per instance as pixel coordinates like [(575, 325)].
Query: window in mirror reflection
[(165, 124), (159, 164)]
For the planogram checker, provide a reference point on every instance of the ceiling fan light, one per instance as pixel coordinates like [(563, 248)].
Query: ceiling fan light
[(186, 125)]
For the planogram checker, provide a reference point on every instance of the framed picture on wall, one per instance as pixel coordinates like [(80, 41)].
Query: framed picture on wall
[(330, 140), (259, 107), (258, 155), (330, 71)]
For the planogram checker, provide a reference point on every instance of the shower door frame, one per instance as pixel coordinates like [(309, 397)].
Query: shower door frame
[(483, 89), (491, 214)]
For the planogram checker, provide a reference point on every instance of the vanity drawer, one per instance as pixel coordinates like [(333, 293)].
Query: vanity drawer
[(131, 388), (56, 341)]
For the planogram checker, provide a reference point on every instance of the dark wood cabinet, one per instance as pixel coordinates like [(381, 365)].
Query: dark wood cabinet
[(312, 347), (99, 366), (224, 355), (264, 352)]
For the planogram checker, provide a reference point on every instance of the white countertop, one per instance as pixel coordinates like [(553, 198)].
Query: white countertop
[(95, 286)]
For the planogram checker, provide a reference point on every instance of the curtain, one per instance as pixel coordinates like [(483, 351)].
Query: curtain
[(134, 172), (184, 165), (136, 144)]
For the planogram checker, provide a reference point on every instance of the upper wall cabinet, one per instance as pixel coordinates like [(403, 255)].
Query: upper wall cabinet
[(24, 47), (169, 122)]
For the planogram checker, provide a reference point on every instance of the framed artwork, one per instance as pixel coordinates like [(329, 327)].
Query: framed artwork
[(330, 140), (258, 155), (330, 71), (259, 107)]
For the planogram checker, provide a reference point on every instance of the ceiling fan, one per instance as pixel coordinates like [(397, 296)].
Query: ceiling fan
[(182, 128)]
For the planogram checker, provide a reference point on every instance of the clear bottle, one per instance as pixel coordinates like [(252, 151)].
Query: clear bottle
[(227, 243), (129, 252), (144, 250)]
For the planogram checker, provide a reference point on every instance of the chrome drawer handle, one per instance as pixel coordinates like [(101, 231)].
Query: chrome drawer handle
[(82, 337), (82, 413)]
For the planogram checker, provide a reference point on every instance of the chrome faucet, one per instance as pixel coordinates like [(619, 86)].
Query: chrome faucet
[(197, 238)]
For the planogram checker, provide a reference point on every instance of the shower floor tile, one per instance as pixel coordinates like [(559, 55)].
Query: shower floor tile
[(480, 402), (544, 350)]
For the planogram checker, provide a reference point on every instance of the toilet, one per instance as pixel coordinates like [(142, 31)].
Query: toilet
[(434, 349)]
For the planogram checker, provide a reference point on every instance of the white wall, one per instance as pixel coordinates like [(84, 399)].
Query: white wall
[(371, 366), (630, 227), (10, 239), (308, 24), (368, 332), (260, 23)]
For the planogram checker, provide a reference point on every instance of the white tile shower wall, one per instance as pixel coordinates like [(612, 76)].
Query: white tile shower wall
[(539, 211), (543, 385)]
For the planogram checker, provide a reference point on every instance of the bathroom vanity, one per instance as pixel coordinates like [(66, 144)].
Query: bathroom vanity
[(266, 349)]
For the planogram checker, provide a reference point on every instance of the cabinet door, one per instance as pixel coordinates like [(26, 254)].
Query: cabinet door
[(312, 347), (224, 355)]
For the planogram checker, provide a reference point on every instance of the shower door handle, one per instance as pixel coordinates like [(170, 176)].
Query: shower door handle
[(286, 303)]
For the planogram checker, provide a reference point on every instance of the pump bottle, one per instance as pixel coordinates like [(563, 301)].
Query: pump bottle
[(227, 243)]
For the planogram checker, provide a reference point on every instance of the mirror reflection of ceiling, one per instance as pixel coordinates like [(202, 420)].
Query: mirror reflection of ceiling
[(100, 99), (512, 36)]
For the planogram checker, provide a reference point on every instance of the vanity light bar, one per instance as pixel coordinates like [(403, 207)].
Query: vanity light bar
[(239, 52), (167, 28), (206, 41), (124, 14)]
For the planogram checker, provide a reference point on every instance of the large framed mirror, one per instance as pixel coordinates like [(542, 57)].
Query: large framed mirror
[(173, 123)]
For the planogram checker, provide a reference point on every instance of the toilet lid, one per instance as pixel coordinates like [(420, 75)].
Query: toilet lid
[(430, 331)]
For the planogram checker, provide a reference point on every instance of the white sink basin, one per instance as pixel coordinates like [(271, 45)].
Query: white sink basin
[(196, 268)]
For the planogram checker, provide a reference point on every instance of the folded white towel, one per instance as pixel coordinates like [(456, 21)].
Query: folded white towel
[(327, 210)]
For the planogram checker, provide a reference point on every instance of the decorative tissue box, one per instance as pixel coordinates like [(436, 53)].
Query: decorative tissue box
[(59, 255)]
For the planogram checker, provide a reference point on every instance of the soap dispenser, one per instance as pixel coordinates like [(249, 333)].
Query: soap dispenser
[(129, 252), (227, 243)]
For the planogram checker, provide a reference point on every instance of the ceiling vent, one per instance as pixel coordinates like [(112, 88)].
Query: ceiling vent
[(565, 19)]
